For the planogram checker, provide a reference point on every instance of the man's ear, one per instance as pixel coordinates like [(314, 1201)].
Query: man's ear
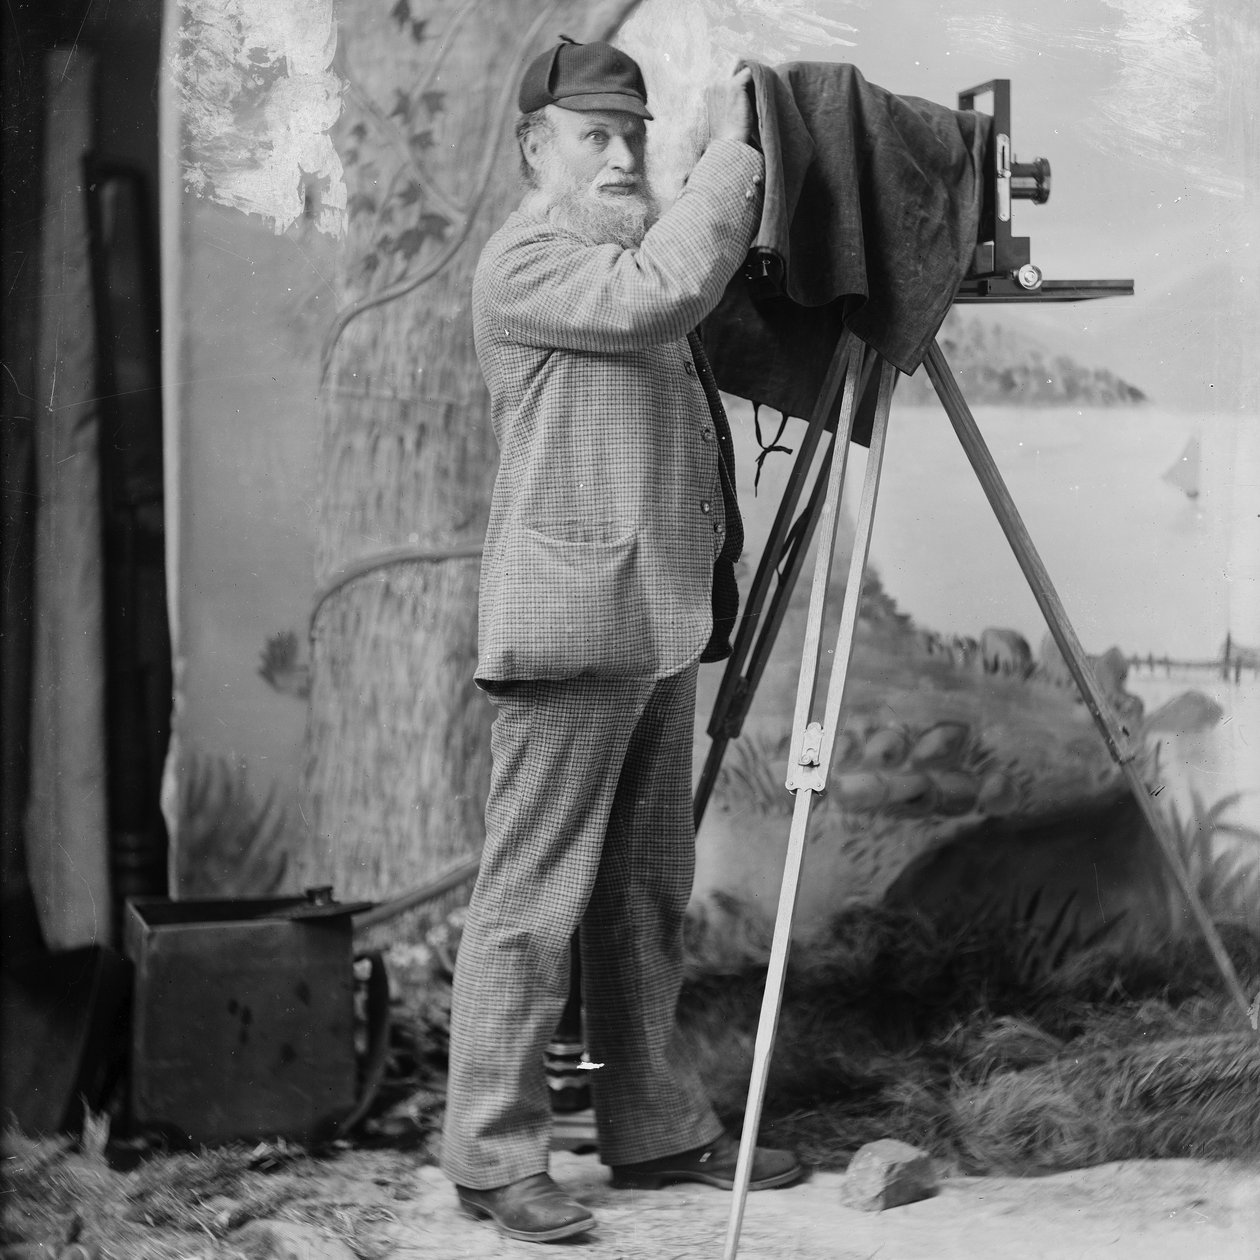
[(532, 145)]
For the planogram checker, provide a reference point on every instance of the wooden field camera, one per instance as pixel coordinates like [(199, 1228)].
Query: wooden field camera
[(1000, 255), (1002, 268)]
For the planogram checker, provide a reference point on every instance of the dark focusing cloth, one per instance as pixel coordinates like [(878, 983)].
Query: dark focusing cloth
[(872, 204)]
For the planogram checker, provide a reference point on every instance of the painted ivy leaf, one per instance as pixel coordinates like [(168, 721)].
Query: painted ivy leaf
[(434, 102), (387, 212), (386, 244), (371, 263), (421, 142), (349, 157), (358, 132), (360, 203), (401, 12), (410, 193), (409, 243), (417, 31), (402, 106), (432, 224)]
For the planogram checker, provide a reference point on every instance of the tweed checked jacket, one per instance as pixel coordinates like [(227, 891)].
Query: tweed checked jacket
[(607, 514)]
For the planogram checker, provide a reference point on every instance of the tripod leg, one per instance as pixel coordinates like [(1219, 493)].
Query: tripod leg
[(1115, 737), (735, 691), (802, 535), (807, 769), (847, 631), (734, 700)]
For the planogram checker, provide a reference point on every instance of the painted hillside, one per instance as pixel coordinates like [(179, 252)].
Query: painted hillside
[(998, 364)]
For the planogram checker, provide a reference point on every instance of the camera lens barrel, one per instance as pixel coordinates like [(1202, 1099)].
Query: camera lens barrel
[(1030, 181)]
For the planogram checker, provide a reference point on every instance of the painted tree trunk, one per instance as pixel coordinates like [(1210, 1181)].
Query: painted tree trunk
[(397, 743)]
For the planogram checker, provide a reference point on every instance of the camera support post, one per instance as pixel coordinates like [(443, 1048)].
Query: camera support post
[(1002, 272)]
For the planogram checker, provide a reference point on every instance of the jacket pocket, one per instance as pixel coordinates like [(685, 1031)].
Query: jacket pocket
[(573, 601)]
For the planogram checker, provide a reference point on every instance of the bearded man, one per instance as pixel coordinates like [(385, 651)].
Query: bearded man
[(607, 576)]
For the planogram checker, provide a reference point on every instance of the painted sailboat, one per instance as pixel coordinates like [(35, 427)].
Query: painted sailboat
[(1184, 474)]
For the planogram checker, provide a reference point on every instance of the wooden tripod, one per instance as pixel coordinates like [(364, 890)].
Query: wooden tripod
[(813, 735)]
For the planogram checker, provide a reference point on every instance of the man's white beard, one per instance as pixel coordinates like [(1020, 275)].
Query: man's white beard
[(614, 219)]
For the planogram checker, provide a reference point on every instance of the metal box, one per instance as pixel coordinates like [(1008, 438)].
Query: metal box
[(243, 1019)]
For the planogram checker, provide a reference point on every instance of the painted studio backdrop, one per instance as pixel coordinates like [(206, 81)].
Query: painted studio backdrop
[(332, 173)]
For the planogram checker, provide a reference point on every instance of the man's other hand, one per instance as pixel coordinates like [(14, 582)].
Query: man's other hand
[(730, 107)]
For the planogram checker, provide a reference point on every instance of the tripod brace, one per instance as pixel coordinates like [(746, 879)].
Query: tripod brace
[(813, 735)]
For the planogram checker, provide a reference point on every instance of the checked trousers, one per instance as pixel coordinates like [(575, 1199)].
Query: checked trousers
[(588, 823)]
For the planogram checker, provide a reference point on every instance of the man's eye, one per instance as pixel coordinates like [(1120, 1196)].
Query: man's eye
[(597, 137)]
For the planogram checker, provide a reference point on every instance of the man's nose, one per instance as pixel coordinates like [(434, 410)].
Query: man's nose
[(621, 157)]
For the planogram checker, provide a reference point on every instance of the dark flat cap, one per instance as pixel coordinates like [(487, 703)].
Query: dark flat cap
[(584, 76)]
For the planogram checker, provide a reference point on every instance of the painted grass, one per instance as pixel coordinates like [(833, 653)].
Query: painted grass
[(950, 1040), (1001, 1047)]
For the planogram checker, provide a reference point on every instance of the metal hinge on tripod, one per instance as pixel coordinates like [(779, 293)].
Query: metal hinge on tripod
[(809, 770)]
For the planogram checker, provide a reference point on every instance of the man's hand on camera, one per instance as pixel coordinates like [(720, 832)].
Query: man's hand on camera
[(730, 107)]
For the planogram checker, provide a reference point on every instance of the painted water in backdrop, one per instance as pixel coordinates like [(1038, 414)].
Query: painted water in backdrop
[(1140, 567)]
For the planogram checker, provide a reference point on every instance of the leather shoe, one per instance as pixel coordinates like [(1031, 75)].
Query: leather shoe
[(712, 1165), (533, 1209)]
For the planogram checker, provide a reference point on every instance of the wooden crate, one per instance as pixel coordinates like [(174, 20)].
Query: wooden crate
[(243, 1020)]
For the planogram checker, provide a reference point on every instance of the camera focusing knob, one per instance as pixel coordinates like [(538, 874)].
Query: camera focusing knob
[(1029, 277)]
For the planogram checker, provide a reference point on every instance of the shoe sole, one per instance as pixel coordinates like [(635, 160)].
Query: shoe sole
[(479, 1213), (654, 1181)]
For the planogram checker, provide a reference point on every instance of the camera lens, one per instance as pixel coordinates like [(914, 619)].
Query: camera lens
[(1030, 181)]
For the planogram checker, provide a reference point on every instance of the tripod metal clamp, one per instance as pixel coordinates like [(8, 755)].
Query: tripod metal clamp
[(810, 767)]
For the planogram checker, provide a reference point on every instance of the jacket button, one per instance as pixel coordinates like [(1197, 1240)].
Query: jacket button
[(689, 367), (707, 433), (705, 506)]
